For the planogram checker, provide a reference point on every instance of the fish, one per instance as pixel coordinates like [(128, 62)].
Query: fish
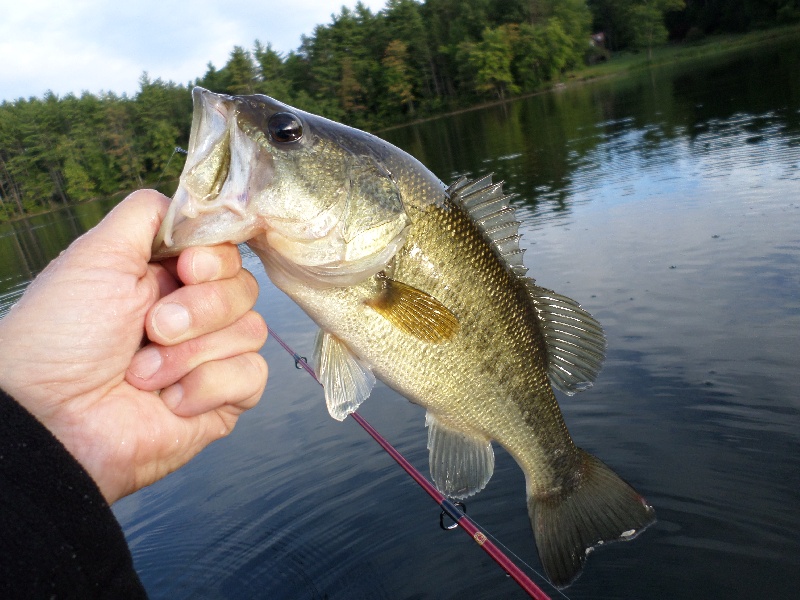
[(421, 285)]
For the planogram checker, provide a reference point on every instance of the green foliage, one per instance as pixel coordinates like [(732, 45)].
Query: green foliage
[(241, 72), (788, 12), (270, 75), (413, 58), (521, 57), (635, 24), (79, 185), (56, 151), (491, 60), (647, 22), (397, 74)]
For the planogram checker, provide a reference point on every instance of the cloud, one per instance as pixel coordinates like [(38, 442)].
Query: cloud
[(101, 45)]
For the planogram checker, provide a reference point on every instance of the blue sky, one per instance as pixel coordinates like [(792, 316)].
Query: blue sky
[(94, 45)]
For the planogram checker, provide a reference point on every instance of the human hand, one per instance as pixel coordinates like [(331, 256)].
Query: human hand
[(71, 349)]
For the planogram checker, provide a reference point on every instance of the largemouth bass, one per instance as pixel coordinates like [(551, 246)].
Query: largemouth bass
[(418, 284)]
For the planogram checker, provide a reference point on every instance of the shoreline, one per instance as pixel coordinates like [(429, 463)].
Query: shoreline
[(625, 63), (620, 64)]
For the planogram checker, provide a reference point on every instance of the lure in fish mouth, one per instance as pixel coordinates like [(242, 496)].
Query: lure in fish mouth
[(421, 285)]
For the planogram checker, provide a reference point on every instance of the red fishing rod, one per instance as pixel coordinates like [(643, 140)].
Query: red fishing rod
[(448, 506)]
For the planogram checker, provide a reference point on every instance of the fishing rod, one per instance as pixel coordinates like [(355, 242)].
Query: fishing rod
[(448, 507)]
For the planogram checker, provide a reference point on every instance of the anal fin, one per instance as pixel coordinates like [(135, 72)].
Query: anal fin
[(347, 383), (461, 463)]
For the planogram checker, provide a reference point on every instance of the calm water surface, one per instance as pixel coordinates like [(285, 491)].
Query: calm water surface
[(669, 205)]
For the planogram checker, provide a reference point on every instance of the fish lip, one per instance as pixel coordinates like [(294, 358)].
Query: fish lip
[(163, 240), (163, 243), (203, 230), (206, 106), (219, 224), (193, 219)]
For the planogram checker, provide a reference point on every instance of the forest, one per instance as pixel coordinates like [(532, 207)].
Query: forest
[(370, 70)]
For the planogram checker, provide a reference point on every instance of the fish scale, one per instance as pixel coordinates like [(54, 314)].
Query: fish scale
[(422, 286)]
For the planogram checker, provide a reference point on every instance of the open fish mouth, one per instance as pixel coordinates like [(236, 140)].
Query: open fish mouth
[(211, 203), (262, 172)]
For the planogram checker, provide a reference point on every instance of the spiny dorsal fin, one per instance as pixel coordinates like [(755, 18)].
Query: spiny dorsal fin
[(576, 345), (488, 206), (347, 383), (413, 311), (461, 463)]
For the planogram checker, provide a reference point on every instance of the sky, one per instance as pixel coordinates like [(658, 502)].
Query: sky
[(106, 45)]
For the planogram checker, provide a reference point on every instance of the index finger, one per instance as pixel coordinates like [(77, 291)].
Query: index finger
[(208, 263), (194, 310)]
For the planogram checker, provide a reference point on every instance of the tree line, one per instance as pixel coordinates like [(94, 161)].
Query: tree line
[(363, 68)]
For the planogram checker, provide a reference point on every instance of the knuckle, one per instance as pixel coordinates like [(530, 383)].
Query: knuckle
[(255, 381), (193, 352), (250, 284), (231, 257), (227, 423), (216, 302), (258, 366), (254, 327)]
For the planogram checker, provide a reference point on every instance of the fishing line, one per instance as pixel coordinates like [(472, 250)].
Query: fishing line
[(518, 558), (465, 523), (177, 150)]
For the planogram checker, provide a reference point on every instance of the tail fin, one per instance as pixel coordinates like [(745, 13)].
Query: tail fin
[(600, 508)]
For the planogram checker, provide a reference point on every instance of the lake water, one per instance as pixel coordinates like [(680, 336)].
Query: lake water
[(668, 204)]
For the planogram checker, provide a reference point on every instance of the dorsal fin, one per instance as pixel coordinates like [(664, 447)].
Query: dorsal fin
[(489, 208), (576, 344)]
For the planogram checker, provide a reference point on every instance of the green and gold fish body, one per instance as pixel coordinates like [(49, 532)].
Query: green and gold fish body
[(489, 377), (417, 284)]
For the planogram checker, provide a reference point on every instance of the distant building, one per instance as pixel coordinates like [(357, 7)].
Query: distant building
[(597, 51), (598, 40)]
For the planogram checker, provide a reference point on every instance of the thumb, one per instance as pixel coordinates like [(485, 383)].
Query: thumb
[(134, 222)]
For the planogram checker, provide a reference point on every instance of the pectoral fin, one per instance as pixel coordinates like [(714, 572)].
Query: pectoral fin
[(347, 383), (461, 463), (413, 311)]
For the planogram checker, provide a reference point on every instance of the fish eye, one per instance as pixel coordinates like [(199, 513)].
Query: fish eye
[(284, 127)]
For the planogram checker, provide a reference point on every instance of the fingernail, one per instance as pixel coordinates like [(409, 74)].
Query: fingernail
[(171, 320), (146, 363), (172, 396), (205, 266)]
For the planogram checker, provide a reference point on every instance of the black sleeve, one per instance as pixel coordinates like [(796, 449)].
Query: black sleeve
[(58, 536)]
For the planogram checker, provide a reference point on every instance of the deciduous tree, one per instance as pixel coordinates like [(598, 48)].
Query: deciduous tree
[(647, 22), (397, 74)]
